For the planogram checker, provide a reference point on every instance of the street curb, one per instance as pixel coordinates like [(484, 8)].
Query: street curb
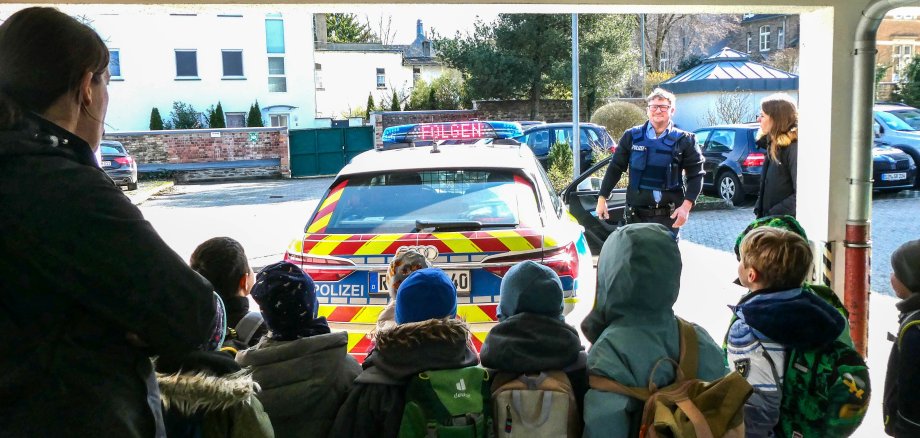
[(713, 204), (141, 195)]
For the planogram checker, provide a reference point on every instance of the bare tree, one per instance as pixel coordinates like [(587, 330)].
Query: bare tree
[(669, 38), (730, 107), (384, 31)]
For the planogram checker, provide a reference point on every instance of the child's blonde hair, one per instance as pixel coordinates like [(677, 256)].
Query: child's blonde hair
[(781, 257)]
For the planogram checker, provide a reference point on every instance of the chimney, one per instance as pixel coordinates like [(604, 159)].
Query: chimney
[(319, 28), (419, 30)]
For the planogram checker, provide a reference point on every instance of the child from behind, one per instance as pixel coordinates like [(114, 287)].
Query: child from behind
[(777, 314), (902, 382), (223, 262), (303, 368)]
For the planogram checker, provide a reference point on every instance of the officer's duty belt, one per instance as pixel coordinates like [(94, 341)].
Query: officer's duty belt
[(652, 212)]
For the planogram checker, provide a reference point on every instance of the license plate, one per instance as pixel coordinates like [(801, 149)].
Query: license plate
[(106, 164), (461, 280), (894, 176)]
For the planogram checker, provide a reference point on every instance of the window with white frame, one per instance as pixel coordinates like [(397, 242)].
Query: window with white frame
[(318, 76), (232, 62), (901, 55), (115, 63), (780, 37), (764, 38), (381, 79), (749, 41), (235, 120), (277, 82), (276, 120), (663, 61), (416, 75), (186, 63)]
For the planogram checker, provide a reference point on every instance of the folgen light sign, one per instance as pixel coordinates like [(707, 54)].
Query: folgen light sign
[(451, 131)]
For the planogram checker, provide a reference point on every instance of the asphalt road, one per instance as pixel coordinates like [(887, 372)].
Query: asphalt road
[(265, 215)]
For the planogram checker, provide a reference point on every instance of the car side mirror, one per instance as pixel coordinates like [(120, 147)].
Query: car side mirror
[(877, 129)]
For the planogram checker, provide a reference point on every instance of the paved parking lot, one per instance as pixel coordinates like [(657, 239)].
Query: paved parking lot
[(893, 222)]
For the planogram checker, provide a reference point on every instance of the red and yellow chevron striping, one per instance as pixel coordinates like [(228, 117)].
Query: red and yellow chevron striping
[(497, 241), (321, 220), (471, 313)]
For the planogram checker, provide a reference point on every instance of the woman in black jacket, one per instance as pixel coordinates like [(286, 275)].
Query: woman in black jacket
[(90, 291), (779, 136)]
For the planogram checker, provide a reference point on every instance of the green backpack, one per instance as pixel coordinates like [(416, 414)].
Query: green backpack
[(825, 392), (448, 403)]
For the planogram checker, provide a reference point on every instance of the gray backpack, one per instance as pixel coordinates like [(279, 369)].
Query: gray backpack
[(535, 405)]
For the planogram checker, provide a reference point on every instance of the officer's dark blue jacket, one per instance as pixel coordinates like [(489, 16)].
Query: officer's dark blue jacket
[(686, 158)]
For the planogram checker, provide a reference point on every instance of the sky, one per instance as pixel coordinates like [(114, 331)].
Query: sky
[(445, 19)]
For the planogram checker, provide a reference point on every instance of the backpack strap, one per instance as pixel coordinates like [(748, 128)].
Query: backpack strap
[(908, 323), (689, 349), (609, 385), (248, 326)]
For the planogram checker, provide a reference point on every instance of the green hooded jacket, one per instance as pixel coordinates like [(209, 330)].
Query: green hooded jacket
[(632, 325)]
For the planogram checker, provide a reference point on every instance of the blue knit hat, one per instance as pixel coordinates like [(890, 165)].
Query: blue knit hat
[(425, 294), (533, 288), (287, 297)]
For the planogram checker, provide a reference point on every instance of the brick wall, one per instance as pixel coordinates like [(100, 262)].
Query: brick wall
[(893, 32), (201, 146), (550, 111)]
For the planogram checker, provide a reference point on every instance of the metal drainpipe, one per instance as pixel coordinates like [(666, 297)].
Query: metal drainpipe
[(857, 244)]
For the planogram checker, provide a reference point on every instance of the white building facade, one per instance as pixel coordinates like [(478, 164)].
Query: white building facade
[(200, 55), (347, 73)]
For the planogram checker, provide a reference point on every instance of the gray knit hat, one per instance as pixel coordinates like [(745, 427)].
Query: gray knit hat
[(906, 264)]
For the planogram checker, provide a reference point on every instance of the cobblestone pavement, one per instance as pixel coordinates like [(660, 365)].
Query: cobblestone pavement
[(893, 223)]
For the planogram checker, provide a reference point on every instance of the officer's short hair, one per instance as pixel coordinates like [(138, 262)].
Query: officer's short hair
[(661, 93), (781, 257)]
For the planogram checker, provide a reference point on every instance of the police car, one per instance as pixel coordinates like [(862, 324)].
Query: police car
[(473, 201)]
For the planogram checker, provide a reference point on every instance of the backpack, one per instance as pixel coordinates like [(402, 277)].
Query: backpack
[(825, 392), (238, 337), (688, 407), (447, 403), (535, 405)]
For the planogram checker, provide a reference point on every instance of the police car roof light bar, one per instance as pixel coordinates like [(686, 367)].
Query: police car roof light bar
[(433, 132)]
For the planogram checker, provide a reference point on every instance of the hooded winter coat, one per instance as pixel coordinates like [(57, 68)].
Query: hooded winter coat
[(303, 381), (777, 192), (632, 326), (532, 335), (374, 407), (900, 405), (211, 397), (82, 272), (768, 323)]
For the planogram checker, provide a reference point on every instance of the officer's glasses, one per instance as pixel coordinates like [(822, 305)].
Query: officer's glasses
[(654, 108)]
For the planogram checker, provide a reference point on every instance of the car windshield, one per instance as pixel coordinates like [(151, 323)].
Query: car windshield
[(894, 122), (455, 199), (909, 116)]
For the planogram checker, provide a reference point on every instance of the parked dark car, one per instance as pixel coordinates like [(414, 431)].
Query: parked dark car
[(733, 162), (118, 164), (541, 137), (892, 169)]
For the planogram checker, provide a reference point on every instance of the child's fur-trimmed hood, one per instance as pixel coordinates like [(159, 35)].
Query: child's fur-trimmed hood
[(447, 331), (189, 393)]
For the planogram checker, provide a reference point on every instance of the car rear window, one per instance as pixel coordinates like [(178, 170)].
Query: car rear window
[(108, 150), (392, 202)]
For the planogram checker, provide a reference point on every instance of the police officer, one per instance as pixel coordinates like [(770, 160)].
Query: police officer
[(657, 155)]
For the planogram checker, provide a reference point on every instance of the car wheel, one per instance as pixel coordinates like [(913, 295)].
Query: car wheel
[(729, 187), (132, 186)]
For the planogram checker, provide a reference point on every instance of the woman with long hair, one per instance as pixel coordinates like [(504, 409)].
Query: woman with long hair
[(779, 120), (90, 291)]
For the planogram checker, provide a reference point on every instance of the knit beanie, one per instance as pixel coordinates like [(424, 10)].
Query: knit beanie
[(785, 222), (426, 294), (287, 298), (404, 263), (905, 261), (530, 287)]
